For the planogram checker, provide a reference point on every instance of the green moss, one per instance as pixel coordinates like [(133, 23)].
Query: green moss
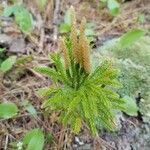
[(134, 65)]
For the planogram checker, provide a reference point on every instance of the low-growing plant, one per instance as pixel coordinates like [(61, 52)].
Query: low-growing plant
[(32, 140), (6, 63), (22, 16), (112, 5), (80, 94), (130, 53), (8, 110), (131, 37)]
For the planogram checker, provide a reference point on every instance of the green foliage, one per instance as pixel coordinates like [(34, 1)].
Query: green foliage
[(30, 108), (134, 63), (34, 139), (130, 106), (7, 64), (137, 53), (80, 96), (22, 17), (113, 6), (8, 110), (131, 37), (24, 59), (65, 26)]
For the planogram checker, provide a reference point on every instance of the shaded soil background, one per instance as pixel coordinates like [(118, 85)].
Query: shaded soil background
[(21, 82)]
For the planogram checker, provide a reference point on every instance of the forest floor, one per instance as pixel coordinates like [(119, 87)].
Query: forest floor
[(21, 83)]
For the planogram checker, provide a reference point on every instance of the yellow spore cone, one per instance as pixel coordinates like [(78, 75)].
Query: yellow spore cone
[(63, 49), (74, 36), (84, 48)]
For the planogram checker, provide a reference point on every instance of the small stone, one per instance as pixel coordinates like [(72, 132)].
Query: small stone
[(78, 141), (85, 147), (17, 46), (5, 39)]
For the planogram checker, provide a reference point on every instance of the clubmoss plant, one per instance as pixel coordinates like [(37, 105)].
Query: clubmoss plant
[(81, 94)]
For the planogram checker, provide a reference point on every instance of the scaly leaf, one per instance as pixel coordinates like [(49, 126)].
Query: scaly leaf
[(131, 37)]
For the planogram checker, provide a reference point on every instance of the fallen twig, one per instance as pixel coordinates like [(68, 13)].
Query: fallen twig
[(6, 142)]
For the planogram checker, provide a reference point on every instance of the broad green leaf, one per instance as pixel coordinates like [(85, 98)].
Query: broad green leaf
[(29, 135), (37, 141), (8, 110), (131, 37), (8, 63), (34, 139), (9, 10), (22, 16), (114, 7), (24, 20), (130, 106), (64, 28)]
